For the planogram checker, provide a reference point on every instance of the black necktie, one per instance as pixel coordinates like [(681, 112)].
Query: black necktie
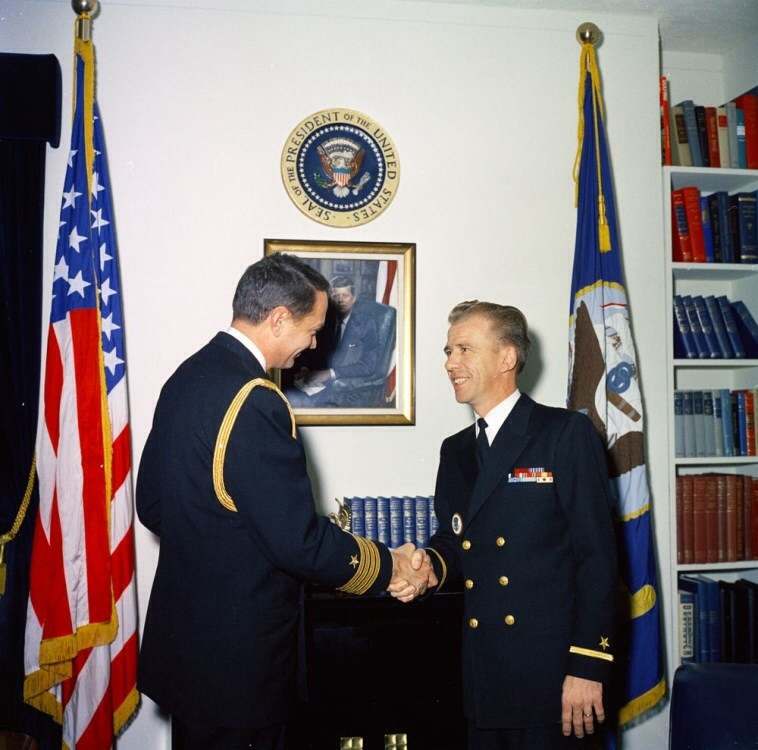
[(482, 444)]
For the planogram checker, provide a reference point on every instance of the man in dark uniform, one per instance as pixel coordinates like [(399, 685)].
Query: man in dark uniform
[(223, 483), (525, 522)]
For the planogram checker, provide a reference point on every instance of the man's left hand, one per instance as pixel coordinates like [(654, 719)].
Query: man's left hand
[(581, 703)]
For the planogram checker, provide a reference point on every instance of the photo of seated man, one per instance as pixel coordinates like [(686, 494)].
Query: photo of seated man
[(354, 351)]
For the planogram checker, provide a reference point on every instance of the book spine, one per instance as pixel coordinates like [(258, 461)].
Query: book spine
[(686, 627), (680, 146), (689, 424), (679, 424), (747, 228), (734, 228), (735, 414), (688, 109), (730, 324), (699, 522), (692, 209), (723, 136), (749, 423), (721, 503), (731, 124), (706, 325), (702, 135), (711, 520), (705, 221), (722, 202), (433, 521), (679, 521), (747, 482), (740, 513), (357, 516), (731, 518), (754, 516), (718, 425), (741, 423), (665, 121), (703, 352), (409, 520), (680, 232), (748, 103), (741, 150), (710, 447), (712, 133), (682, 323), (422, 521), (688, 520), (371, 524), (747, 331), (715, 219), (383, 520), (726, 421), (396, 522), (719, 330), (697, 411)]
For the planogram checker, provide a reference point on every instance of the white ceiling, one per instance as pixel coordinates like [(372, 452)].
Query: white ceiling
[(686, 25)]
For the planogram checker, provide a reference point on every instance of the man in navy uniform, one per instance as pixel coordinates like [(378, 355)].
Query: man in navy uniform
[(525, 522), (223, 483)]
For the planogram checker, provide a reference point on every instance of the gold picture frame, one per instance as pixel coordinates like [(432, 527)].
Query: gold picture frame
[(362, 371)]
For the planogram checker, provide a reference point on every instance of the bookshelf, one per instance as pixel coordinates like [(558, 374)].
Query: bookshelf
[(736, 281)]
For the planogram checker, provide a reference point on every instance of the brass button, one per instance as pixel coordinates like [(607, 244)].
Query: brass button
[(473, 623), (500, 541), (469, 583), (503, 580), (466, 544), (510, 619)]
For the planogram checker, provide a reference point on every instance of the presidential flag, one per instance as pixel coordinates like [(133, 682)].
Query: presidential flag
[(604, 384), (81, 634)]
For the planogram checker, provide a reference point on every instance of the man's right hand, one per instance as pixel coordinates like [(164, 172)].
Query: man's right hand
[(412, 573)]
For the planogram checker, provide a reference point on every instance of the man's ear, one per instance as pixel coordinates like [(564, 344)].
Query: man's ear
[(277, 318), (509, 358)]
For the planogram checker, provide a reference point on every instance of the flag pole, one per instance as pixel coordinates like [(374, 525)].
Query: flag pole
[(84, 10)]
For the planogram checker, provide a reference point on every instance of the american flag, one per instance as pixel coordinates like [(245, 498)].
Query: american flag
[(386, 293), (81, 633)]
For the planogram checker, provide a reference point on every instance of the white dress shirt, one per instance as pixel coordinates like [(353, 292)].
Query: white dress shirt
[(254, 350), (497, 415)]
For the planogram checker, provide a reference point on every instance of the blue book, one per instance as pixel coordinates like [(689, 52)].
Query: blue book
[(710, 448), (698, 588), (371, 526), (396, 522), (735, 423), (679, 424), (697, 332), (433, 522), (689, 424), (741, 147), (383, 520), (714, 350), (719, 205), (684, 343), (422, 521), (743, 227), (718, 425), (705, 220), (693, 137), (730, 323), (712, 616), (409, 520), (687, 627), (741, 422), (357, 515), (746, 328), (697, 411), (726, 421), (719, 328)]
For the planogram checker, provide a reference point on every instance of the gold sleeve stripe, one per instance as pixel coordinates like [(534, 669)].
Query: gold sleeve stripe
[(369, 565), (442, 563), (589, 652), (225, 431)]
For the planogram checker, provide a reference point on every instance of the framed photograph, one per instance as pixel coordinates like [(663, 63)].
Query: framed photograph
[(362, 370)]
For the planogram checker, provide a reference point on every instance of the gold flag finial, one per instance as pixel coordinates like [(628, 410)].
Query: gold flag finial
[(84, 10), (589, 33)]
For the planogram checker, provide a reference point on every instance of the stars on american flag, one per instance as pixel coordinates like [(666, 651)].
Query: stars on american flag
[(69, 198), (75, 239), (98, 221), (96, 186)]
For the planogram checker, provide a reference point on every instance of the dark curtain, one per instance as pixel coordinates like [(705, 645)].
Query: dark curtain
[(30, 94)]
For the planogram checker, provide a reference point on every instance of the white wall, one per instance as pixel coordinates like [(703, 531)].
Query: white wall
[(197, 99), (696, 76)]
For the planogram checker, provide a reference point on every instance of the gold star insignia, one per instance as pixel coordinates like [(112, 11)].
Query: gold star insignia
[(354, 561), (604, 644)]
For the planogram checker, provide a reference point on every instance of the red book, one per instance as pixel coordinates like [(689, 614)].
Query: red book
[(731, 517), (740, 513), (754, 518), (680, 232), (748, 103), (747, 512), (750, 421), (712, 134), (721, 502), (699, 521), (691, 196), (688, 525), (663, 95), (711, 520), (679, 521)]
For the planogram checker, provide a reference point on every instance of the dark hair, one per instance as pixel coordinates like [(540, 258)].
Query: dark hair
[(508, 324), (275, 280), (340, 282)]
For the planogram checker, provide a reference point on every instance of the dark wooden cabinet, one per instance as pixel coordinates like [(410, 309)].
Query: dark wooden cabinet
[(376, 666)]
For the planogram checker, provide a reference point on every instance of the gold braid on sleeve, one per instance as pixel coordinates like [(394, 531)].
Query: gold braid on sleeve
[(225, 431), (369, 566)]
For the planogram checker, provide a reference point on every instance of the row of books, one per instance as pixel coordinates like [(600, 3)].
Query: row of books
[(716, 518), (715, 423), (718, 620), (394, 521), (713, 328), (699, 136), (713, 228)]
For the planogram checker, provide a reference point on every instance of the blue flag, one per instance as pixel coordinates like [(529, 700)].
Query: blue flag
[(604, 384)]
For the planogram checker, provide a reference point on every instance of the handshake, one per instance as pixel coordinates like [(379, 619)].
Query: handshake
[(412, 573)]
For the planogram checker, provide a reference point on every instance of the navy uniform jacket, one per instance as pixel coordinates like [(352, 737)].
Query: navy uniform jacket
[(537, 560), (357, 351), (220, 639)]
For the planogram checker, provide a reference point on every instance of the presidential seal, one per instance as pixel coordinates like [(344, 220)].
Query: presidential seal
[(340, 168)]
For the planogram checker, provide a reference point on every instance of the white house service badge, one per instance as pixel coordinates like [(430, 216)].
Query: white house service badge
[(340, 168)]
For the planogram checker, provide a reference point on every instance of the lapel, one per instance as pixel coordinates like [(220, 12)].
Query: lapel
[(467, 456), (510, 442), (247, 358)]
